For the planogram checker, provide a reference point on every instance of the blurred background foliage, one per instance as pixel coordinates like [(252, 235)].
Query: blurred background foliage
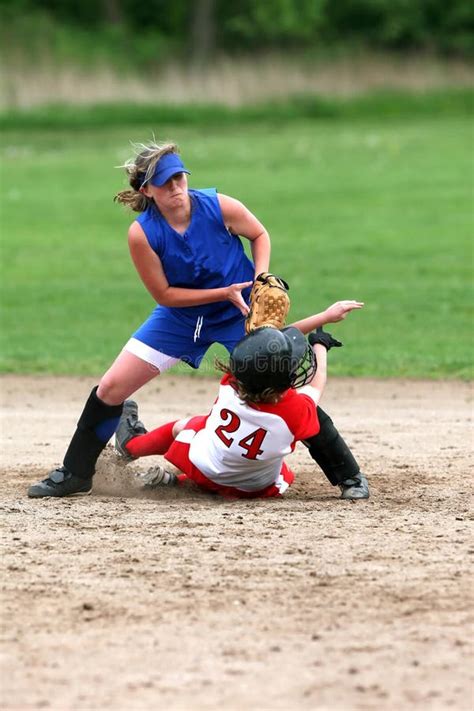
[(146, 32), (214, 51)]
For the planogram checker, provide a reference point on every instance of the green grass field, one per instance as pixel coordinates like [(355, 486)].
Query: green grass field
[(377, 210)]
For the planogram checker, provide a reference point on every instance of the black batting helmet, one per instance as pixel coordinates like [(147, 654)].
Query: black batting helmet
[(269, 358)]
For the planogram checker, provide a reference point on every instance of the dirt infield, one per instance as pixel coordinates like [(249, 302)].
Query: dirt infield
[(130, 600)]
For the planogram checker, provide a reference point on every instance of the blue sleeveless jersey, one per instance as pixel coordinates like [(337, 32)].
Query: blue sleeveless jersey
[(206, 256)]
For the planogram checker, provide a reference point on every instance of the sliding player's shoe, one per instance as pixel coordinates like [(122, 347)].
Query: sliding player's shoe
[(157, 476), (357, 487)]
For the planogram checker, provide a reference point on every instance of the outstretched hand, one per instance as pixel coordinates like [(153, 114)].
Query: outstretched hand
[(339, 310), (234, 295)]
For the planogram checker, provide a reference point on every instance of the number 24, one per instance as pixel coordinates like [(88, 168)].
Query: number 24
[(251, 443)]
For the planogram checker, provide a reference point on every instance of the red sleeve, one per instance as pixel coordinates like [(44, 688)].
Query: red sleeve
[(298, 411), (306, 423)]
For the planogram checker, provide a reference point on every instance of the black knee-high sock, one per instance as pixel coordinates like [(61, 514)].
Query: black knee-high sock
[(331, 453), (95, 427)]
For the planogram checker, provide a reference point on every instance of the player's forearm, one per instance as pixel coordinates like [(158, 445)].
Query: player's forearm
[(310, 323), (320, 379), (261, 248), (314, 389), (176, 297)]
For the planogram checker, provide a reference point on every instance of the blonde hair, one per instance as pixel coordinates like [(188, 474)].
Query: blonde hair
[(140, 169), (267, 395)]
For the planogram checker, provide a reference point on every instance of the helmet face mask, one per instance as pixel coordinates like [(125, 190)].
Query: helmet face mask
[(305, 364), (269, 358)]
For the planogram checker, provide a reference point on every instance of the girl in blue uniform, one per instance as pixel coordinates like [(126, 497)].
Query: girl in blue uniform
[(186, 248)]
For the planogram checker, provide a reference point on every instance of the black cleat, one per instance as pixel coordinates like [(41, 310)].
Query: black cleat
[(129, 427), (357, 487), (60, 482)]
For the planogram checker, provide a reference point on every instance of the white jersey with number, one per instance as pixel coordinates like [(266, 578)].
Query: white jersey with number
[(243, 445)]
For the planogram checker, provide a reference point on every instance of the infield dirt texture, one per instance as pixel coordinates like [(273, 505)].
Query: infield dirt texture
[(178, 600)]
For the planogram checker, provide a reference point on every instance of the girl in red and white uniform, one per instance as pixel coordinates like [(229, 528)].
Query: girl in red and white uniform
[(266, 403)]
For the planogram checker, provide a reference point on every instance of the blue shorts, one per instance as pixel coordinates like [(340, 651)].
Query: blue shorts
[(188, 339)]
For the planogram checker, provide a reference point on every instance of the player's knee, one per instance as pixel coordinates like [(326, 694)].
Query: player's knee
[(111, 390)]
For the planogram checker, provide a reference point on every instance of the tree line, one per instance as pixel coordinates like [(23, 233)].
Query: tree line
[(205, 27)]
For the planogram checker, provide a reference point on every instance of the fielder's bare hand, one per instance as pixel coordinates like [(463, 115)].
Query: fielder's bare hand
[(234, 295)]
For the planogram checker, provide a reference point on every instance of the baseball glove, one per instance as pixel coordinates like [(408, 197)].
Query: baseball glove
[(269, 302)]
